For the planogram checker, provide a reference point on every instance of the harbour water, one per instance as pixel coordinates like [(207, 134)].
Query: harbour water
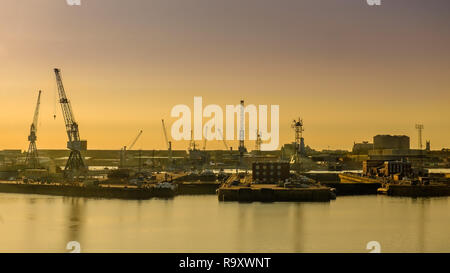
[(39, 223)]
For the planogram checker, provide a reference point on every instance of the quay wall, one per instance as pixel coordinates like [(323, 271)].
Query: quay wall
[(250, 194), (81, 191)]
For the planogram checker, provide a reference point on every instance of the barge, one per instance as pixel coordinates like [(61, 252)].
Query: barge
[(273, 193)]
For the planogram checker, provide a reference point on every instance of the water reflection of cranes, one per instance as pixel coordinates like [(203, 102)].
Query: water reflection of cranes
[(252, 226), (75, 218)]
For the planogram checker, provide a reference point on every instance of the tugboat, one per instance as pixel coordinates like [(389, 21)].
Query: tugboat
[(166, 185)]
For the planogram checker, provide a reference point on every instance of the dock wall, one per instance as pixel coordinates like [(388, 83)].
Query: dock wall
[(417, 191), (195, 188), (79, 191), (249, 194)]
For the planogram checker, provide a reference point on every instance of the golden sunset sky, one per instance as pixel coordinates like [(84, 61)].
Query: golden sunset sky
[(350, 70)]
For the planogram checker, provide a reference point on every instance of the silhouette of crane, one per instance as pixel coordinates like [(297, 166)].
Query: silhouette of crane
[(168, 143), (32, 160), (75, 166)]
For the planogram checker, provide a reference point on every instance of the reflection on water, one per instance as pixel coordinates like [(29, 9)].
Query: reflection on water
[(38, 223), (75, 208)]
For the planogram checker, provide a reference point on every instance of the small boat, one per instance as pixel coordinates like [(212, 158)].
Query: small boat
[(166, 185)]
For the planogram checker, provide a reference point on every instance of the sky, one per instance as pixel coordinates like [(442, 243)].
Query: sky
[(349, 70)]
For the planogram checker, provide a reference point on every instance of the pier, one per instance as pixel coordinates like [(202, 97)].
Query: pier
[(245, 191), (415, 190)]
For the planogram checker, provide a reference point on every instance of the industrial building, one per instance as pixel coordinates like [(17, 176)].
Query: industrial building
[(362, 148), (382, 142), (270, 172)]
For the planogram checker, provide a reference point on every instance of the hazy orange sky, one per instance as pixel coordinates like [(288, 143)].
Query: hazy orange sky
[(350, 70)]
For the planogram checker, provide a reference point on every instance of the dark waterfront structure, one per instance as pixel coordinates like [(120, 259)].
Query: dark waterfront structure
[(362, 148), (382, 142), (386, 168)]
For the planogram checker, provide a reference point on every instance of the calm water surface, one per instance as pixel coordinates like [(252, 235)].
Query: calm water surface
[(39, 223)]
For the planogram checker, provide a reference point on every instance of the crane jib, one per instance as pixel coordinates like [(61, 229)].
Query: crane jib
[(73, 134)]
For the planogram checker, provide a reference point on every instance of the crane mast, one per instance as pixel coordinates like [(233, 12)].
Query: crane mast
[(32, 160), (242, 148), (258, 141), (75, 164), (206, 138), (168, 143)]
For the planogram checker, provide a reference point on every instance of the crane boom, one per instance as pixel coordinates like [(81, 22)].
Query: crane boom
[(168, 143), (36, 115), (135, 140), (69, 119), (165, 133)]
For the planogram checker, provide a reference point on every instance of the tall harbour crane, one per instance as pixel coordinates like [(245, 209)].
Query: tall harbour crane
[(75, 164), (299, 145), (32, 160), (168, 143), (242, 148), (192, 144), (297, 125), (206, 138)]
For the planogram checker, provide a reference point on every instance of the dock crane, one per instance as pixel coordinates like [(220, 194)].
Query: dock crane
[(75, 164), (32, 160), (168, 143), (242, 149), (258, 141), (206, 138), (123, 155), (192, 144)]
